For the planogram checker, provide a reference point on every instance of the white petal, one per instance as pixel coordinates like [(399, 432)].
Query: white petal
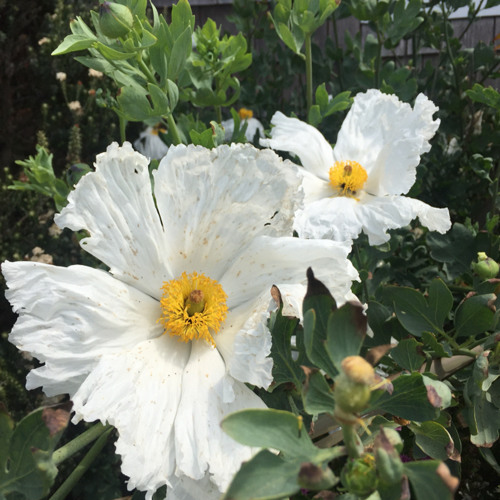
[(214, 202), (387, 137), (208, 394), (245, 343), (185, 488), (334, 218), (253, 127), (115, 205), (150, 145), (138, 391), (303, 140), (70, 317), (267, 261), (435, 219)]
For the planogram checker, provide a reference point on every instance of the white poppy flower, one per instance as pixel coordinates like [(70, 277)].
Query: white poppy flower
[(254, 126), (161, 346), (150, 144), (358, 186)]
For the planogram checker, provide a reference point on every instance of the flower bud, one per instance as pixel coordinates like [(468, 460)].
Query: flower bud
[(485, 267), (353, 385), (359, 475), (388, 462), (115, 20)]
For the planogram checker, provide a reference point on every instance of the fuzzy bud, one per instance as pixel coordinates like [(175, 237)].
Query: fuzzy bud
[(485, 267), (115, 20), (359, 475)]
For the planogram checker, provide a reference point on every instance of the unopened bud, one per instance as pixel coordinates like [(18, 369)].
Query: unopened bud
[(359, 475), (115, 20), (389, 464), (485, 267), (358, 369)]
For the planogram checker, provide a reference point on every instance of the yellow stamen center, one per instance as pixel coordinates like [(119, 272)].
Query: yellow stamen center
[(193, 307), (158, 128), (245, 113), (347, 177)]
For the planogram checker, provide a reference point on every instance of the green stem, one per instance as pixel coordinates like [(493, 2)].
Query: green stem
[(351, 441), (82, 467), (150, 77), (69, 449), (378, 63), (174, 131), (309, 77), (218, 112)]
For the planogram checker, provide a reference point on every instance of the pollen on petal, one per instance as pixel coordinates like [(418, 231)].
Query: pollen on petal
[(193, 307), (347, 177)]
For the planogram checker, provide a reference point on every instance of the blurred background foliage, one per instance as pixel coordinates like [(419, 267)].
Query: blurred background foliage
[(400, 47)]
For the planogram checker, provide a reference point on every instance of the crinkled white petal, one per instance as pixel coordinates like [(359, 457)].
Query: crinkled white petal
[(245, 343), (115, 205), (150, 144), (301, 139), (267, 261), (214, 202), (138, 391), (70, 317), (387, 137), (341, 218), (209, 394)]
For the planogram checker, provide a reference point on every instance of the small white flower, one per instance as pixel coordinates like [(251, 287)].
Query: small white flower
[(95, 74), (61, 76), (161, 346), (76, 107), (150, 144), (358, 186), (253, 125), (43, 40)]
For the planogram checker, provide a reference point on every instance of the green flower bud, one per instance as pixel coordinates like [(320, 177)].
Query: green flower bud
[(353, 385), (359, 475), (115, 20), (485, 267), (389, 464)]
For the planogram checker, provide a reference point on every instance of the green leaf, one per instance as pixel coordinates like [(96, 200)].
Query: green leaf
[(317, 395), (27, 451), (288, 38), (414, 312), (265, 476), (317, 306), (346, 331), (406, 354), (204, 138), (285, 369), (474, 316), (426, 482), (430, 340), (73, 43), (179, 53), (488, 96), (269, 428), (409, 400), (487, 421), (456, 248), (433, 439), (112, 54)]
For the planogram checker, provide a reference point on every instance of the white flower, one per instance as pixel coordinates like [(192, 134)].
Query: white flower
[(76, 107), (93, 73), (253, 125), (358, 186), (61, 76), (150, 144), (134, 346)]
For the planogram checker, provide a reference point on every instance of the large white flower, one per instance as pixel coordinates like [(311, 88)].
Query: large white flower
[(161, 345), (358, 186), (150, 144)]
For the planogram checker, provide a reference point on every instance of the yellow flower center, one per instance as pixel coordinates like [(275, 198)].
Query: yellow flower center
[(245, 113), (158, 128), (347, 177), (193, 307)]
